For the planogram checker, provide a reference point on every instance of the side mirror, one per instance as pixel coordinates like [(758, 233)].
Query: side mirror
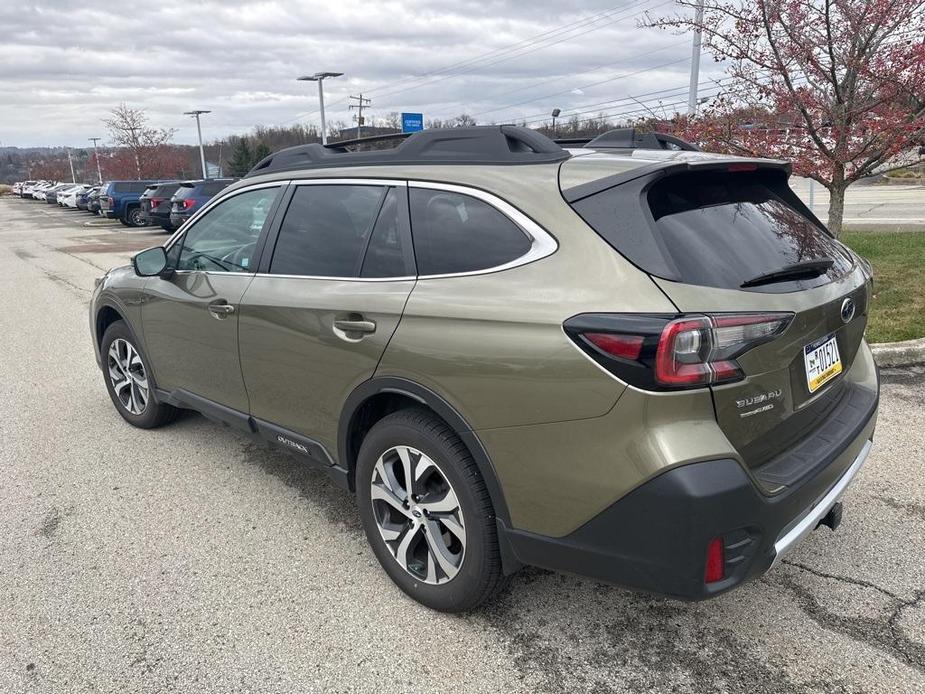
[(150, 262)]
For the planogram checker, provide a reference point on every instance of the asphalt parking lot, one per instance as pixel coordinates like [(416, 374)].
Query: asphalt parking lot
[(191, 559), (894, 207)]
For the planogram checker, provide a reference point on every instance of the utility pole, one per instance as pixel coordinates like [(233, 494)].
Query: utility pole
[(202, 152), (695, 61), (96, 155), (319, 77), (135, 146), (71, 164), (362, 102)]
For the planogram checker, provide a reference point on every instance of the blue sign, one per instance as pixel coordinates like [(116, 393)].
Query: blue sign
[(412, 122)]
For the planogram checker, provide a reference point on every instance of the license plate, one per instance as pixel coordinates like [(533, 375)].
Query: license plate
[(823, 362)]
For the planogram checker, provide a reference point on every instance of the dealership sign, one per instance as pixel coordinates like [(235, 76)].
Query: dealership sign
[(412, 122)]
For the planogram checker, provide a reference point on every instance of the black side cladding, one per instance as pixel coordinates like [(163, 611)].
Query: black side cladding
[(485, 144)]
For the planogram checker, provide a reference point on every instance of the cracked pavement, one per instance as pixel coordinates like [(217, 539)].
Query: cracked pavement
[(190, 559)]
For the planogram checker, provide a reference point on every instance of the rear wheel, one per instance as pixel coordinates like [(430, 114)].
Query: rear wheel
[(427, 513), (129, 382)]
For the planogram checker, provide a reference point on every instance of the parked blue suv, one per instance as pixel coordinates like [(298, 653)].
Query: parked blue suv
[(192, 195), (120, 200)]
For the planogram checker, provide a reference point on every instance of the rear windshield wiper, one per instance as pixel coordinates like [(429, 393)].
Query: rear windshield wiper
[(805, 270)]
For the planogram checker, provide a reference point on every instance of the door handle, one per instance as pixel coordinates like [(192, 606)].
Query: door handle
[(355, 326), (221, 309)]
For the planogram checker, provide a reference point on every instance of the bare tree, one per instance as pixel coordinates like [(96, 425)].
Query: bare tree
[(128, 127)]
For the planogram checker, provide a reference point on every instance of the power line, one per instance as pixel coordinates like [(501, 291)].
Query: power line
[(510, 47), (610, 21), (516, 50), (587, 86)]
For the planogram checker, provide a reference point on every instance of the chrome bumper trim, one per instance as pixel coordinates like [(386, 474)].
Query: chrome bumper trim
[(809, 522)]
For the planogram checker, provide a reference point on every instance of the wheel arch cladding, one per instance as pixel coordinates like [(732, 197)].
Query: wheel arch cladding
[(106, 316), (376, 398)]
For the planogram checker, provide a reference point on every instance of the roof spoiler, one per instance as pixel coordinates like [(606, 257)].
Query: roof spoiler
[(670, 168)]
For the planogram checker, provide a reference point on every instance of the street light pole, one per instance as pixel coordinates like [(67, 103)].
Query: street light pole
[(695, 61), (202, 152), (319, 77), (96, 155), (71, 164)]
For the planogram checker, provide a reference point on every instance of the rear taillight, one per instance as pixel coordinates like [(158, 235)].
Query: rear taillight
[(672, 352), (187, 204)]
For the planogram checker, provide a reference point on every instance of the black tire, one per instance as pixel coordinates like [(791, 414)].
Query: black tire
[(479, 575), (134, 217), (154, 414)]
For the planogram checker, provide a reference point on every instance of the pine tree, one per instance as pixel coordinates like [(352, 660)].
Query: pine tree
[(260, 152), (241, 160)]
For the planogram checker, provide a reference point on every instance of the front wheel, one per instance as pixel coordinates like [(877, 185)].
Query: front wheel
[(129, 382), (135, 217), (427, 513)]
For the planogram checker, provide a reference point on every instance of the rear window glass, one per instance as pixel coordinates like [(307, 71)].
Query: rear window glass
[(715, 229), (163, 190), (213, 187)]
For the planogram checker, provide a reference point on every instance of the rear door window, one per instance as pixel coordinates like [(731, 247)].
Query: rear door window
[(455, 233), (714, 229), (326, 230), (388, 254)]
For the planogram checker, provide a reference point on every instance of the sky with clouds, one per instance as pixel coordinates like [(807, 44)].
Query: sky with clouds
[(63, 65)]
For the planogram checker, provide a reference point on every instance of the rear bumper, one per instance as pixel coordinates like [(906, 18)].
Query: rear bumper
[(177, 220), (161, 218), (655, 538)]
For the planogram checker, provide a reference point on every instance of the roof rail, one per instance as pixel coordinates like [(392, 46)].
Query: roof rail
[(343, 144), (481, 144), (630, 138)]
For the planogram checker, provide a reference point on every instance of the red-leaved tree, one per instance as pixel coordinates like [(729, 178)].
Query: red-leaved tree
[(143, 151), (835, 86)]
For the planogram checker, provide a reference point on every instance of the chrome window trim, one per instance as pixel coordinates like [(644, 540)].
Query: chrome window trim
[(218, 199), (542, 243), (334, 278), (396, 182)]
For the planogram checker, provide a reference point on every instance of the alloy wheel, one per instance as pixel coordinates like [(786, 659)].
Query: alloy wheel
[(127, 376), (418, 515)]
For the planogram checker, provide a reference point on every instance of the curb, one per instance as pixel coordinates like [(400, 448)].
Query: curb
[(905, 353)]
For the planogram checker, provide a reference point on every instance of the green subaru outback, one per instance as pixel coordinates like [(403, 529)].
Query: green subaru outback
[(627, 359)]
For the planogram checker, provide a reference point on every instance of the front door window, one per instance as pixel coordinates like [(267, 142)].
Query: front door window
[(224, 239)]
